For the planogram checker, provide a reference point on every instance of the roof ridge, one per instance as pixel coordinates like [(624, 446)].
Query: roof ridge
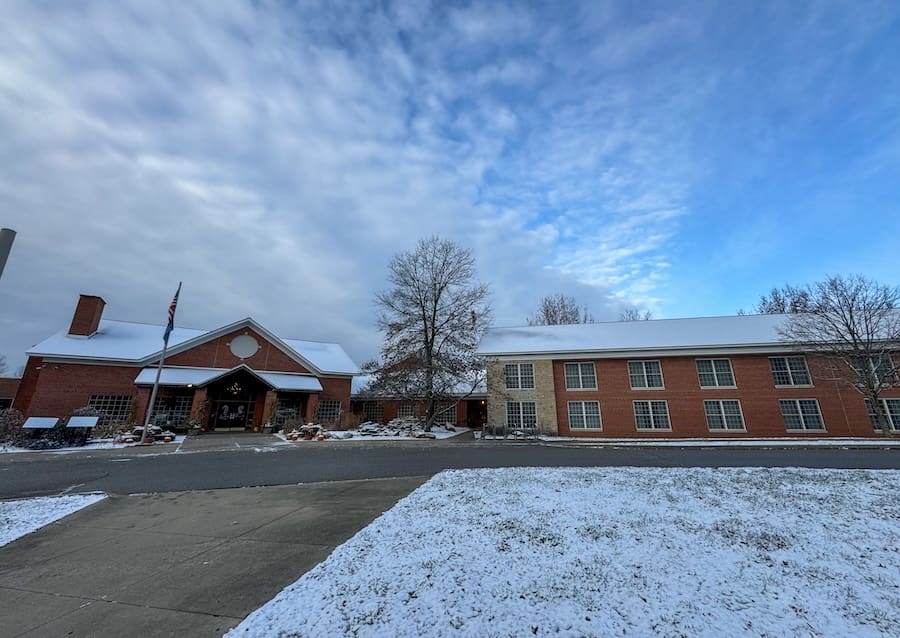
[(642, 321)]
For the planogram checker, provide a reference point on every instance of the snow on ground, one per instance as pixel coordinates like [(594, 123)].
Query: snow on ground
[(92, 444), (613, 551), (439, 433), (18, 518)]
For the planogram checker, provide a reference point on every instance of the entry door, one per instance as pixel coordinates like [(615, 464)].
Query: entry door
[(231, 415)]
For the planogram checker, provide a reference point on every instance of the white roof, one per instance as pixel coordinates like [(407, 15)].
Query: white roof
[(124, 341), (617, 336), (40, 422), (182, 377)]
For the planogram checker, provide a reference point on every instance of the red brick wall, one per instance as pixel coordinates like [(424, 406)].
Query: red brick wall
[(843, 409), (216, 354), (8, 387), (56, 389)]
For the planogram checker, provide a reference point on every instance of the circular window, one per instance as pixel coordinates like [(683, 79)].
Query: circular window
[(243, 347)]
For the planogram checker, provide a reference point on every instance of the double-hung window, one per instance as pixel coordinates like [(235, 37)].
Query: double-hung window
[(790, 371), (880, 368), (580, 376), (891, 409), (408, 409), (715, 373), (584, 415), (651, 415), (521, 414), (801, 414), (724, 414), (519, 376), (645, 374), (114, 407)]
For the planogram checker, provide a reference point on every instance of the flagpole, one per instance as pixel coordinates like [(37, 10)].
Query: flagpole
[(146, 436)]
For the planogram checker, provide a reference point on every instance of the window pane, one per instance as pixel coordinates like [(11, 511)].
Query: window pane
[(513, 414), (576, 416), (573, 381), (723, 372), (704, 366), (791, 414), (713, 415), (636, 373), (642, 415), (660, 414), (526, 375), (511, 371), (529, 414), (654, 374), (799, 371), (809, 409), (732, 412), (588, 378), (780, 371), (592, 414)]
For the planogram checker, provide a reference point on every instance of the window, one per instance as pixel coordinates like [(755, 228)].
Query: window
[(288, 411), (715, 372), (173, 411), (801, 414), (584, 415), (408, 409), (115, 407), (519, 376), (521, 414), (790, 371), (724, 415), (645, 374), (329, 411), (445, 411), (880, 367), (580, 376), (891, 409), (373, 411), (5, 404), (651, 415)]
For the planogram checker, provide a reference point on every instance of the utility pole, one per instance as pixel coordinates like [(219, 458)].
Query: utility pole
[(7, 235)]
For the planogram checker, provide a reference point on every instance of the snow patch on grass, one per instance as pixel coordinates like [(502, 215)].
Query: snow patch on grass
[(18, 518), (612, 551)]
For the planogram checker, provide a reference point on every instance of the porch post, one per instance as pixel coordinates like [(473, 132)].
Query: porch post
[(197, 407), (268, 414)]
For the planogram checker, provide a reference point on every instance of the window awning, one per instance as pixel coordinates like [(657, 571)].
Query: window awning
[(186, 377), (82, 422), (40, 422)]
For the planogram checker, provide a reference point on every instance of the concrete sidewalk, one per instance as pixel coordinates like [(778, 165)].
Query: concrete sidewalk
[(184, 563)]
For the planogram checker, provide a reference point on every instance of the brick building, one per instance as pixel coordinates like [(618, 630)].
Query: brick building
[(236, 377), (673, 378), (466, 408), (8, 388)]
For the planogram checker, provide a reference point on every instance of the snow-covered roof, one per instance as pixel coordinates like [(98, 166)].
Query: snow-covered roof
[(463, 389), (127, 342), (183, 377), (660, 334)]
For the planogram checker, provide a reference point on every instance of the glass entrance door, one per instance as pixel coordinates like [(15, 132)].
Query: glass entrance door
[(232, 415)]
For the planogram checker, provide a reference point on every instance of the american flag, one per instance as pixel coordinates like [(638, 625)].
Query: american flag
[(171, 325)]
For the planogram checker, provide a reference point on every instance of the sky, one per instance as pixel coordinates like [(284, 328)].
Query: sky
[(678, 157)]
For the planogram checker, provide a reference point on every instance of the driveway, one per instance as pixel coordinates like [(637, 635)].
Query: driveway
[(182, 563)]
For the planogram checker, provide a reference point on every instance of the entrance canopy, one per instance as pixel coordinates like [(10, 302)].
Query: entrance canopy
[(199, 377)]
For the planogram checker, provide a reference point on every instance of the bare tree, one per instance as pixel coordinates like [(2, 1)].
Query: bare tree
[(560, 309), (634, 314), (432, 319), (853, 323), (785, 300)]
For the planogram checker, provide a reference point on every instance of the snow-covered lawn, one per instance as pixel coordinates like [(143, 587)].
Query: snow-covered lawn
[(18, 518), (613, 551)]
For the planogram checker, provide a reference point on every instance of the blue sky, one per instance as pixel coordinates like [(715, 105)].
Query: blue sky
[(683, 157)]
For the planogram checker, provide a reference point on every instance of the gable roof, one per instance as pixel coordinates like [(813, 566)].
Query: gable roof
[(139, 344), (741, 331), (185, 376)]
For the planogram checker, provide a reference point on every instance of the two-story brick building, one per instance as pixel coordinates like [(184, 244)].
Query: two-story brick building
[(237, 377), (702, 377)]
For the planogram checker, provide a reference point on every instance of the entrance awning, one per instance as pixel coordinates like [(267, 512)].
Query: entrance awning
[(198, 377)]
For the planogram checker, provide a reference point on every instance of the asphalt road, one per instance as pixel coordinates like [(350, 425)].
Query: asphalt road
[(151, 470)]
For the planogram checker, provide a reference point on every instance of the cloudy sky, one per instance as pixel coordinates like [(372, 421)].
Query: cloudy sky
[(679, 157)]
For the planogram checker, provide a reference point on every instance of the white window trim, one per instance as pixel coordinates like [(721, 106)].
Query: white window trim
[(797, 400), (651, 429), (599, 415), (733, 386), (722, 412), (642, 361), (792, 385), (580, 379), (519, 376)]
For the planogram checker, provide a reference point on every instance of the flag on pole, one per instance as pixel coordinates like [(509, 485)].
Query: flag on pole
[(171, 325)]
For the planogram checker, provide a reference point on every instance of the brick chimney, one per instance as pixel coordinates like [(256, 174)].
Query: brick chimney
[(87, 315)]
